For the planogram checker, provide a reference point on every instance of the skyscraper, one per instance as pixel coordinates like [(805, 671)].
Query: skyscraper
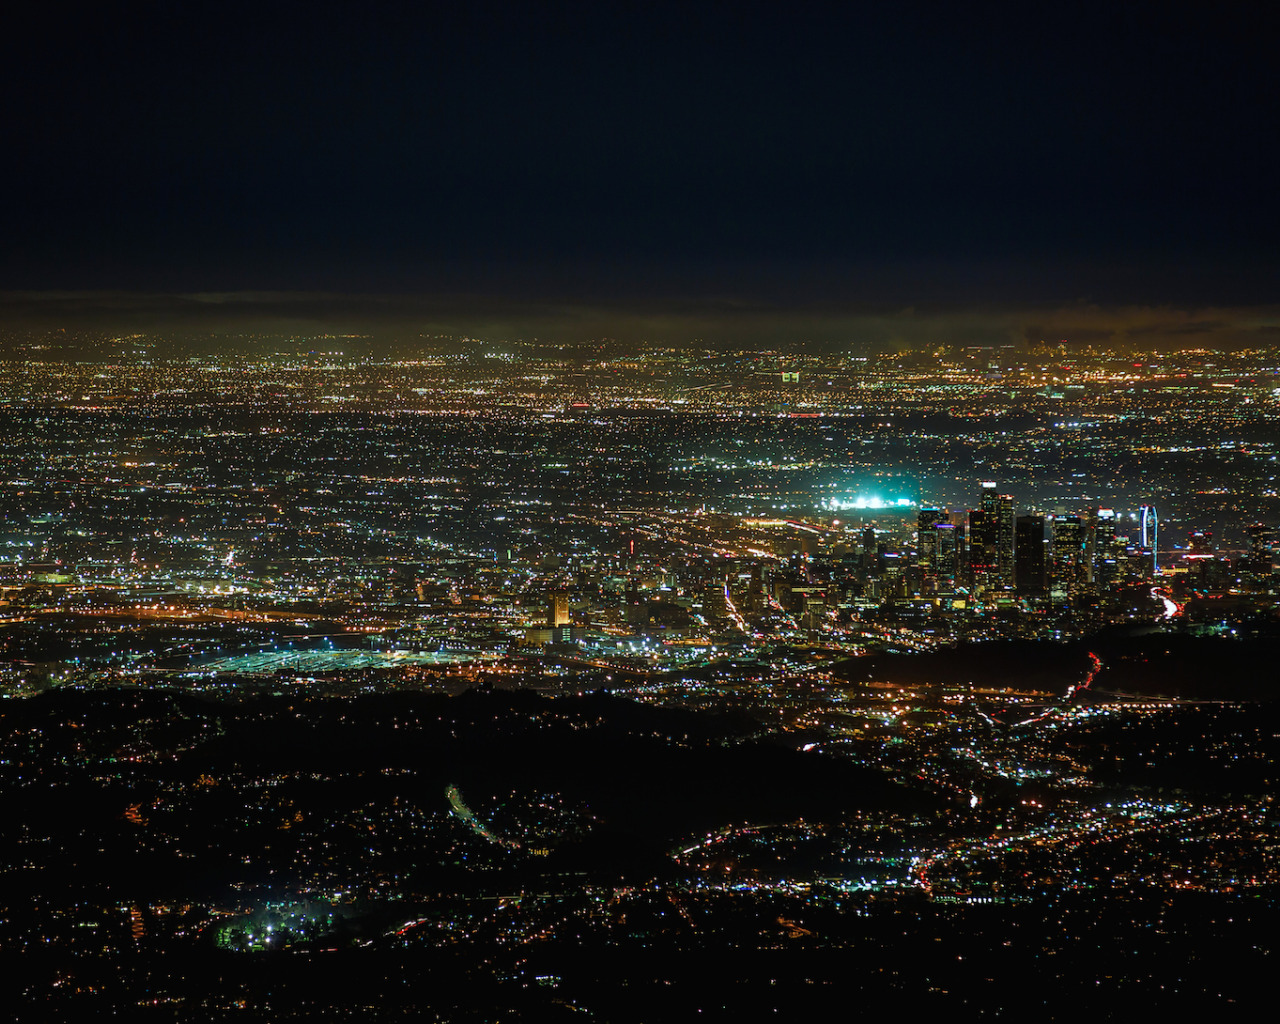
[(1264, 549), (1151, 535), (927, 520), (982, 548), (937, 549), (557, 608), (1029, 565), (1108, 549), (1069, 559), (991, 539), (947, 558), (715, 600)]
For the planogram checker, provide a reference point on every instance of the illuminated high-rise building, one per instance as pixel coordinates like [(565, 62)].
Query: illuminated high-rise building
[(947, 559), (1108, 549), (991, 539), (557, 608), (959, 521), (983, 546), (1090, 519), (1069, 559), (715, 601), (1264, 549), (937, 549), (1151, 535), (927, 520), (1005, 538)]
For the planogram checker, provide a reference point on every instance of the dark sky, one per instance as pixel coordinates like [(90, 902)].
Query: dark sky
[(660, 159)]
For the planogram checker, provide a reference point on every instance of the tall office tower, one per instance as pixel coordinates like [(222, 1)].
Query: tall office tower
[(756, 600), (983, 559), (1029, 562), (1264, 548), (715, 601), (947, 558), (927, 520), (557, 608), (1108, 549), (1151, 535), (959, 521), (1069, 554), (991, 539), (1105, 522), (1000, 508), (1090, 520), (1005, 537)]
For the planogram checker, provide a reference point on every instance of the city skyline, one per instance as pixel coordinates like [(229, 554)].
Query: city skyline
[(638, 511), (642, 681)]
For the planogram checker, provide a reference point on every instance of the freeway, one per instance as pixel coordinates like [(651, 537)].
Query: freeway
[(468, 815)]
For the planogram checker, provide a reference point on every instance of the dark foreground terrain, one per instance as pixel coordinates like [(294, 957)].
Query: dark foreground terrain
[(502, 855)]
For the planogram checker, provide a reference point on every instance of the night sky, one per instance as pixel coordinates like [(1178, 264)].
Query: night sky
[(504, 167)]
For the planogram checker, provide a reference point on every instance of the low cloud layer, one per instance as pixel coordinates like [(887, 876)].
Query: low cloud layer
[(715, 321)]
